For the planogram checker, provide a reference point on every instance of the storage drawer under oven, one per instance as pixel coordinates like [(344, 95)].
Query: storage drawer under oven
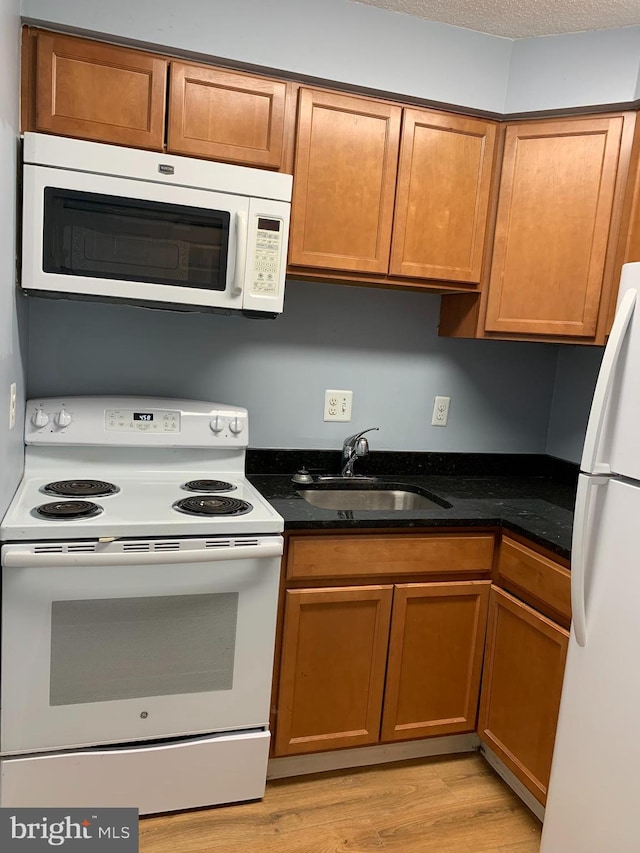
[(155, 778)]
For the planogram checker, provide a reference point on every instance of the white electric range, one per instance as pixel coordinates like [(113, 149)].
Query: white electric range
[(140, 577)]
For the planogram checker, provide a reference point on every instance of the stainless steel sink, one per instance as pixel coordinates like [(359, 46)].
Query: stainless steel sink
[(370, 499)]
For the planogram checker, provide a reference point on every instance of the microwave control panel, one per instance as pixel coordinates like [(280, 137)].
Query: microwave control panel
[(266, 267)]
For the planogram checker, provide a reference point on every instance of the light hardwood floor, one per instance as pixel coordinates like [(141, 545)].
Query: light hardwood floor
[(454, 804)]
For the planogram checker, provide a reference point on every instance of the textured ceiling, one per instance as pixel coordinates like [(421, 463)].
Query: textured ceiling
[(520, 18)]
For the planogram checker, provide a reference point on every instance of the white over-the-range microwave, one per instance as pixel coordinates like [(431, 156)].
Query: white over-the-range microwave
[(118, 224)]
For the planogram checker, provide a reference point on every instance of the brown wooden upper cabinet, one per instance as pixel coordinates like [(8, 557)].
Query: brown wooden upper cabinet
[(552, 231), (222, 115), (358, 186), (344, 182), (91, 90), (442, 198), (95, 91), (563, 229)]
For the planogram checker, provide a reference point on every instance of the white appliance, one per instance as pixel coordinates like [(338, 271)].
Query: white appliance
[(140, 575), (593, 795), (105, 222)]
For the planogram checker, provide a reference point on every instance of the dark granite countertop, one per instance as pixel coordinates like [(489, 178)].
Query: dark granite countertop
[(530, 494)]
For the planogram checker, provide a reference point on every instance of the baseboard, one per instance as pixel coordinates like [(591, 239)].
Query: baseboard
[(342, 759), (513, 782)]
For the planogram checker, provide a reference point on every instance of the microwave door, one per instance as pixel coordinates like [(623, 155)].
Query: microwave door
[(107, 237)]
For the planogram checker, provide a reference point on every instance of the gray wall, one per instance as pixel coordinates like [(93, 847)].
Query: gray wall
[(331, 39), (574, 70), (361, 45), (575, 382), (11, 369), (383, 345)]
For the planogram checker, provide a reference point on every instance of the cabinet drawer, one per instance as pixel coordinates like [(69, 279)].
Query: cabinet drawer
[(535, 577), (377, 555)]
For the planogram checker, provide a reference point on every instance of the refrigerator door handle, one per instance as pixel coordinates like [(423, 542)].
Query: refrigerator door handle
[(604, 384), (580, 554)]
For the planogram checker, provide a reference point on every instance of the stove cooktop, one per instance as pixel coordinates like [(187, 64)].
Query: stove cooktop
[(156, 505)]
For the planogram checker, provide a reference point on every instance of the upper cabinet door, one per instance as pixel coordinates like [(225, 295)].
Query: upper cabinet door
[(222, 115), (344, 185), (554, 214), (100, 92), (442, 201)]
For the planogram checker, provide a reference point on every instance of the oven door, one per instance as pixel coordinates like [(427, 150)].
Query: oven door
[(103, 236), (110, 647)]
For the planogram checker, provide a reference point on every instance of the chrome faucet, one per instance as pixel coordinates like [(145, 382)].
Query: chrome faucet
[(354, 446)]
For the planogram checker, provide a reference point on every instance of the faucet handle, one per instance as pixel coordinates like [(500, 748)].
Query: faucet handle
[(362, 447), (352, 439)]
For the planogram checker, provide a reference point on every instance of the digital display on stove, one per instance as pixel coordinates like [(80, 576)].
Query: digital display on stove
[(155, 422)]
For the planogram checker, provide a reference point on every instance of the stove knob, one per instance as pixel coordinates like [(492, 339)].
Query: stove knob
[(236, 426), (216, 424), (63, 418), (40, 418)]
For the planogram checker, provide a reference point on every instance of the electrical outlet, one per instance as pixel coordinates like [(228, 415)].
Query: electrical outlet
[(440, 411), (13, 391), (337, 405)]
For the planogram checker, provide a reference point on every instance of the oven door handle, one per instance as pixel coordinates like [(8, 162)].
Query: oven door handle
[(27, 558)]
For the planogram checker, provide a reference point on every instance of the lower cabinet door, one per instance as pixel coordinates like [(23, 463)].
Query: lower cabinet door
[(334, 650), (521, 687), (435, 659)]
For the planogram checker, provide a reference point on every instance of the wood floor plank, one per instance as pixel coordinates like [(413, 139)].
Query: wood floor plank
[(446, 805), (532, 846)]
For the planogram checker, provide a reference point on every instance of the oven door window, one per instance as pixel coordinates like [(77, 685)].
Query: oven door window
[(128, 648), (104, 236)]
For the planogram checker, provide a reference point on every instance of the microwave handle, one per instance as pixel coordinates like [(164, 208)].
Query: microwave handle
[(241, 252)]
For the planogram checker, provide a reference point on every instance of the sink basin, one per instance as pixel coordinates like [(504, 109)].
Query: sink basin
[(371, 499)]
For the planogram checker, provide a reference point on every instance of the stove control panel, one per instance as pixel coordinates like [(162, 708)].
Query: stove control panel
[(135, 422)]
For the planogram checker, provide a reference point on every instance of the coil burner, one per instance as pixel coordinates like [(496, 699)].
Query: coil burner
[(67, 510), (212, 505), (80, 488), (208, 486)]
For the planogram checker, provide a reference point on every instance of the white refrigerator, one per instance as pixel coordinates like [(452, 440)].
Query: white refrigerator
[(593, 803)]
